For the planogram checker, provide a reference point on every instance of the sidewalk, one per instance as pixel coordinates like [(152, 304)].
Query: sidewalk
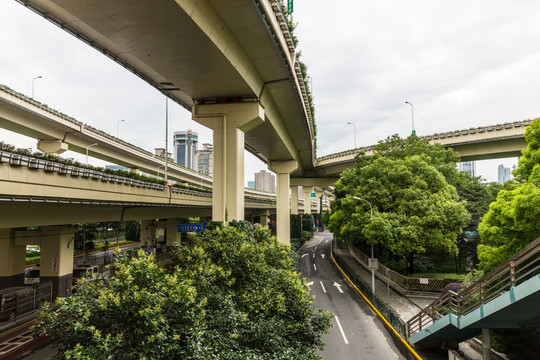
[(405, 306)]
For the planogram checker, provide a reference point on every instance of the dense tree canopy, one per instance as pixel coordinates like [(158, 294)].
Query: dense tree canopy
[(233, 294), (414, 206), (512, 221)]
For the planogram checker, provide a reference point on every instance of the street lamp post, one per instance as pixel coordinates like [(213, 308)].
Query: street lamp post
[(412, 112), (372, 266), (159, 167), (118, 128), (89, 146), (354, 125), (33, 80)]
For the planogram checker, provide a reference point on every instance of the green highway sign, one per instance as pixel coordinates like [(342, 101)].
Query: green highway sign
[(290, 6), (313, 194)]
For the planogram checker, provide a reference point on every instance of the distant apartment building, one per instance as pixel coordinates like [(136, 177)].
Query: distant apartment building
[(251, 184), (265, 181), (185, 145), (161, 152), (204, 159), (468, 167), (503, 174)]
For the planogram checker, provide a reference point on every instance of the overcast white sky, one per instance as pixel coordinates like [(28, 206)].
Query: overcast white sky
[(461, 63)]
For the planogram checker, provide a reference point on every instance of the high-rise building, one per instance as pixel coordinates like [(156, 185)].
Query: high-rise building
[(503, 174), (468, 167), (185, 145), (204, 160), (251, 184), (265, 181)]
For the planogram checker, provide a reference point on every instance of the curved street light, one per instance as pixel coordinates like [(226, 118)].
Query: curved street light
[(118, 128), (353, 124), (33, 80), (412, 111), (372, 266)]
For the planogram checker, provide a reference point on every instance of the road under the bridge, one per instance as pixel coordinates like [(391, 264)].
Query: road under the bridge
[(357, 332)]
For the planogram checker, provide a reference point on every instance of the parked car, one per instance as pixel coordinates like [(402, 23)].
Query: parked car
[(32, 275), (15, 301)]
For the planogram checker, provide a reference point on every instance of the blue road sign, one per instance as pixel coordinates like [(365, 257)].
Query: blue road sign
[(185, 228)]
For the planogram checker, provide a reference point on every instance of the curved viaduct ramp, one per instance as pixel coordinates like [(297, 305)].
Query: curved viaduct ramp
[(204, 52)]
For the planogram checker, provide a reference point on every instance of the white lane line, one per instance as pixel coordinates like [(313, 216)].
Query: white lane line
[(314, 255), (315, 267), (341, 329), (322, 286)]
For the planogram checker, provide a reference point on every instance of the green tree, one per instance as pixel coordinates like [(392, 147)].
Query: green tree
[(257, 305), (512, 220), (531, 155), (140, 313), (511, 223), (233, 294), (133, 230), (414, 207)]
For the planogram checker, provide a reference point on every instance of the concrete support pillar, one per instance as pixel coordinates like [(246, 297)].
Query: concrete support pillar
[(319, 194), (486, 345), (283, 217), (148, 234), (52, 146), (174, 238), (12, 260), (265, 218), (56, 263), (229, 121), (294, 200), (307, 199)]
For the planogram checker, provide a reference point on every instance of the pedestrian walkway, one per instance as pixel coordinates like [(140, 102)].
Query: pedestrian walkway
[(405, 306)]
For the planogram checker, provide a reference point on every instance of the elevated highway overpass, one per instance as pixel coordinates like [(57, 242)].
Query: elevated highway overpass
[(480, 143), (231, 63)]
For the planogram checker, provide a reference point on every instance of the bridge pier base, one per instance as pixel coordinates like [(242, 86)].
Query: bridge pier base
[(173, 237), (283, 217), (12, 260), (229, 122), (307, 199), (294, 200), (56, 264), (486, 345), (148, 234)]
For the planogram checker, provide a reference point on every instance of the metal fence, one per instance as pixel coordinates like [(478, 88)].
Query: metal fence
[(406, 282), (521, 267), (379, 304), (25, 299)]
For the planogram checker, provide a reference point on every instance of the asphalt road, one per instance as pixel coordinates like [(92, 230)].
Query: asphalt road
[(357, 333)]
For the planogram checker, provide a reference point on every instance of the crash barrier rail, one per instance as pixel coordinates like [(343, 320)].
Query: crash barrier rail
[(522, 266), (25, 299), (406, 282), (387, 312)]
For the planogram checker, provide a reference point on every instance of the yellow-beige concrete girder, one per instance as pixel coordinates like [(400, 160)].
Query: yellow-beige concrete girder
[(22, 181), (24, 214), (283, 169), (490, 150)]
